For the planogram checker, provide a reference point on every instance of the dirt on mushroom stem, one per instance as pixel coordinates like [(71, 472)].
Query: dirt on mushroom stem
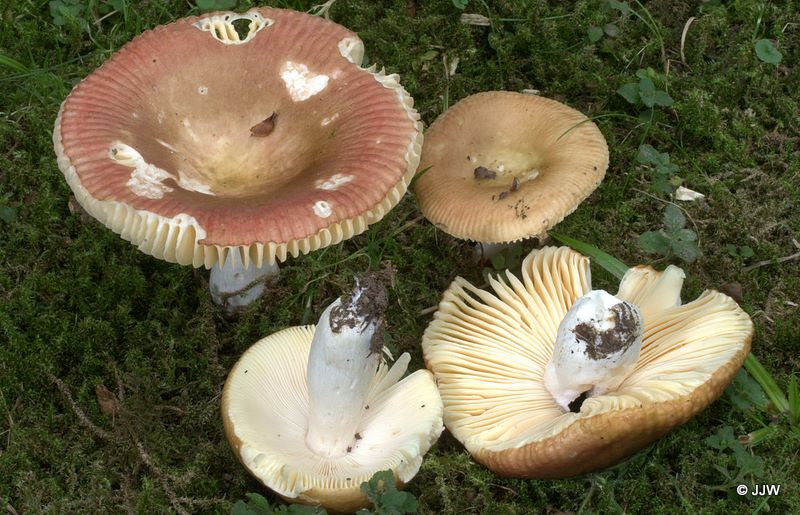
[(365, 305), (601, 344)]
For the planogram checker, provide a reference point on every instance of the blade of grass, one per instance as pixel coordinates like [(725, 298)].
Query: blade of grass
[(608, 262), (760, 374), (794, 402), (15, 65)]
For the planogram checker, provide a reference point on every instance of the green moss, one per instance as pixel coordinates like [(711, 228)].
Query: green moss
[(78, 302)]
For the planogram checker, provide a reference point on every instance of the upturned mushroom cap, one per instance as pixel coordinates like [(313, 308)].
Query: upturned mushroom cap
[(191, 142), (504, 166), (265, 409), (489, 351)]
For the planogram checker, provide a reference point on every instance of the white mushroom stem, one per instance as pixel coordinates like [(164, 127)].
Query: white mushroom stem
[(344, 358), (597, 347), (233, 286)]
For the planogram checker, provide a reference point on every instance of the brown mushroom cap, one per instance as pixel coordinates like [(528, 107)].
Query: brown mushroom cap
[(478, 148), (489, 352), (172, 142)]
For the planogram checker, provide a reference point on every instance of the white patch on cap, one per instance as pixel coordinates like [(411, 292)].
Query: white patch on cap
[(190, 184), (167, 145), (146, 179), (322, 209), (333, 182), (202, 90), (329, 119), (301, 83), (185, 123), (352, 49)]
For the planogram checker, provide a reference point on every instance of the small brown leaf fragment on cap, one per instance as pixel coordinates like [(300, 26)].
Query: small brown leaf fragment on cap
[(108, 401), (514, 185), (265, 128), (503, 195), (482, 173), (732, 290)]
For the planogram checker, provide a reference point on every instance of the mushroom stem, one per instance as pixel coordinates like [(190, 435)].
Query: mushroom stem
[(344, 358), (233, 286), (597, 347)]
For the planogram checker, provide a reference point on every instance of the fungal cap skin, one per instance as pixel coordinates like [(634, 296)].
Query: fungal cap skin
[(503, 166), (302, 149), (489, 352), (265, 409)]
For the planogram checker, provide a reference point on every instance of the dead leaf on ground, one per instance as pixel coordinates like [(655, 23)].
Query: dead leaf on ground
[(108, 401)]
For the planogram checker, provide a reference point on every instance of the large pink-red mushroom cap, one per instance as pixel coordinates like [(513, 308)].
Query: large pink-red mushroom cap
[(193, 141)]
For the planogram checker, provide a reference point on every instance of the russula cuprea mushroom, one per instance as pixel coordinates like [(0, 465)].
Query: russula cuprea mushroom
[(500, 167), (545, 378), (312, 412), (209, 148)]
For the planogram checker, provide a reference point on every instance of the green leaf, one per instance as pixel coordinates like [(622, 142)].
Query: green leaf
[(732, 250), (646, 116), (745, 392), (661, 98), (647, 92), (611, 30), (661, 184), (606, 261), (382, 491), (63, 11), (684, 235), (460, 4), (498, 261), (747, 463), (766, 51), (746, 252), (687, 251), (673, 218), (619, 6), (595, 33), (647, 155), (630, 92), (722, 439), (654, 242), (8, 214)]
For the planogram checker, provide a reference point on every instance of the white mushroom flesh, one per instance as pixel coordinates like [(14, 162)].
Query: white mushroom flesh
[(597, 347), (343, 361)]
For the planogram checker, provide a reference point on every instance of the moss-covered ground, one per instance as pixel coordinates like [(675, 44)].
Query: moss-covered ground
[(80, 307)]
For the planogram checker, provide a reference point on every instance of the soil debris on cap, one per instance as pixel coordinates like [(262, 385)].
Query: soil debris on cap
[(483, 173), (264, 128), (601, 344), (514, 185)]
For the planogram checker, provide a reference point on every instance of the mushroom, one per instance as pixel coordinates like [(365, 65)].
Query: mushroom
[(209, 148), (546, 378), (314, 412), (501, 166)]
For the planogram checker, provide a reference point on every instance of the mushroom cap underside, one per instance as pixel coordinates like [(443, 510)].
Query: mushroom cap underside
[(191, 145), (265, 411), (501, 166), (488, 352)]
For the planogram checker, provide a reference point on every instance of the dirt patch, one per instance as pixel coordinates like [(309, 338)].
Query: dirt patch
[(482, 173), (601, 344), (365, 305)]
